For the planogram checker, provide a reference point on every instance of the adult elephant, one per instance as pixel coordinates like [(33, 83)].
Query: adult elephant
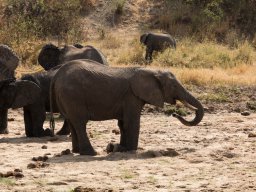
[(156, 42), (35, 113), (51, 56), (83, 90), (13, 94)]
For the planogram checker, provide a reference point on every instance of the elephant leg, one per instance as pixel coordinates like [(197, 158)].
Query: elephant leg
[(37, 115), (65, 130), (3, 121), (122, 137), (130, 137), (75, 145), (149, 53), (85, 147), (28, 122)]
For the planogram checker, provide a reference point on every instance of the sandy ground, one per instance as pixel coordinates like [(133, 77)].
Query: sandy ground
[(217, 155)]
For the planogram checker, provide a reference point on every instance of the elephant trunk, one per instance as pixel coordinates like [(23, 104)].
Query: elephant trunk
[(187, 98)]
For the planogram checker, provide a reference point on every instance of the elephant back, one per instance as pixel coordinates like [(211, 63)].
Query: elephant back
[(86, 52)]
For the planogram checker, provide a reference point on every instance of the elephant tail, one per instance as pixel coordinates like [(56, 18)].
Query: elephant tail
[(52, 97)]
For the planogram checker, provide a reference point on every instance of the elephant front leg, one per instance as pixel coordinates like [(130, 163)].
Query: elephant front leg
[(3, 121), (149, 53), (130, 133), (34, 117)]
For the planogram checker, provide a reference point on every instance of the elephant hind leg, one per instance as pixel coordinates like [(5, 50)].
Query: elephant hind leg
[(75, 145), (65, 130), (85, 147)]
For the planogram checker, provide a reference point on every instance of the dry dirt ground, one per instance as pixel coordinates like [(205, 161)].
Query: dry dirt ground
[(217, 155)]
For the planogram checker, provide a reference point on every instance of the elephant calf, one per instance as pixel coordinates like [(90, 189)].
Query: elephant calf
[(156, 42), (84, 90)]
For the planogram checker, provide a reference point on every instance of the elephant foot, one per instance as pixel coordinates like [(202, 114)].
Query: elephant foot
[(5, 131), (111, 147), (88, 152), (63, 132), (47, 132)]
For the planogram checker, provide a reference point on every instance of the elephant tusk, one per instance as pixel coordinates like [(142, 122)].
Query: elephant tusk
[(189, 106)]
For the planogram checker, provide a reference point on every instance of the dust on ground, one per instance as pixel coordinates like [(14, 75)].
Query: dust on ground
[(217, 155)]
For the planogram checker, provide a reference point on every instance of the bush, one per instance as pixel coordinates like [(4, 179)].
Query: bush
[(41, 19)]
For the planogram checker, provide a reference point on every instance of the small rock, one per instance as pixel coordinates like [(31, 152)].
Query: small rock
[(18, 170), (10, 119), (9, 174), (1, 175), (110, 148), (44, 147), (66, 152), (245, 113), (31, 166), (116, 131), (252, 135), (18, 175)]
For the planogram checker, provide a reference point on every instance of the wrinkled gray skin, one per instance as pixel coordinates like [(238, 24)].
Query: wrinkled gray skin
[(84, 90), (35, 114), (13, 94), (156, 42), (51, 56)]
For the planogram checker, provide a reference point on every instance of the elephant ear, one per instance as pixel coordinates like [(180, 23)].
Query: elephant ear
[(147, 87), (26, 92), (49, 56)]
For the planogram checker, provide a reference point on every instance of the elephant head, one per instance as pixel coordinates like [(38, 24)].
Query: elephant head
[(8, 62), (51, 56), (143, 38), (159, 87), (18, 93)]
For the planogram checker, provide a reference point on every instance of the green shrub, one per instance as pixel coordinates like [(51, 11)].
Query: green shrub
[(41, 19)]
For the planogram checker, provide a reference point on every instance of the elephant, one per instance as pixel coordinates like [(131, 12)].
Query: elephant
[(51, 56), (83, 90), (35, 114), (15, 94), (156, 42)]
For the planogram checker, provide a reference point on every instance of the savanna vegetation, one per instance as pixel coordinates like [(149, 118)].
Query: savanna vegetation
[(216, 39)]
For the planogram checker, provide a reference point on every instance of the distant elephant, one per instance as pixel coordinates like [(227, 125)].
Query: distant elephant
[(15, 94), (83, 90), (156, 42), (51, 56)]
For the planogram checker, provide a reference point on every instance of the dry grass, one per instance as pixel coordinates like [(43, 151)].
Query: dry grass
[(196, 63)]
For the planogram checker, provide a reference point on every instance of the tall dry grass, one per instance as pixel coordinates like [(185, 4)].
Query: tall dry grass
[(206, 63)]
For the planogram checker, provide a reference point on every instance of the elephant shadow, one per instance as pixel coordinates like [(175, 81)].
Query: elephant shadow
[(116, 156), (44, 140)]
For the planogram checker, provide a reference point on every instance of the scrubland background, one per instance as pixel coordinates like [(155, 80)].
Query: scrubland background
[(215, 59)]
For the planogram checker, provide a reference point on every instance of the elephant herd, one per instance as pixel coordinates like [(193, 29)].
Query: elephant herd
[(78, 83)]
